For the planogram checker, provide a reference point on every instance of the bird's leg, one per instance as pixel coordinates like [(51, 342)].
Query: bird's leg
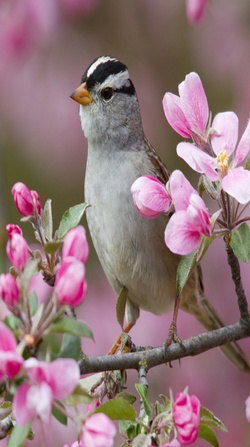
[(117, 343), (172, 335)]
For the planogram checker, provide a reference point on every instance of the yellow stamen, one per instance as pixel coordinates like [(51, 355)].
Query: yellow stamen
[(222, 160)]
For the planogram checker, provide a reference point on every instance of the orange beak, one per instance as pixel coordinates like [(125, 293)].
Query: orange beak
[(82, 95)]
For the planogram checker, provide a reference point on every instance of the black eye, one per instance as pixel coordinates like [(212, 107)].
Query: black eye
[(107, 93)]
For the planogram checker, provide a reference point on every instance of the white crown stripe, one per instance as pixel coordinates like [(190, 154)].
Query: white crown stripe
[(99, 61)]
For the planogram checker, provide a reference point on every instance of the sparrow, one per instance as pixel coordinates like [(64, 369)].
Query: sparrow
[(131, 248)]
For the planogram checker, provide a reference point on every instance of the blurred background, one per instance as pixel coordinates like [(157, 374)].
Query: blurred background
[(45, 46)]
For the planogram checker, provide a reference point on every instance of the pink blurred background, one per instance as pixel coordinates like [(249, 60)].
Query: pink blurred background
[(44, 49)]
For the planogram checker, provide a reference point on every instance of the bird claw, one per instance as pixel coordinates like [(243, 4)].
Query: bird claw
[(173, 337)]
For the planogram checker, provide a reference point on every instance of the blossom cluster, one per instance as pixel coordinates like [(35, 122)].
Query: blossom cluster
[(213, 153)]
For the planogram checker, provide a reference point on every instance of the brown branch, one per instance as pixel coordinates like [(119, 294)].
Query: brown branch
[(157, 356)]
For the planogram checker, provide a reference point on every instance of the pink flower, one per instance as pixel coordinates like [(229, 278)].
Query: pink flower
[(248, 408), (8, 289), (223, 164), (186, 414), (10, 361), (150, 196), (188, 113), (196, 10), (48, 383), (76, 245), (18, 251), (70, 283), (12, 228), (98, 431), (75, 444), (190, 220), (26, 200)]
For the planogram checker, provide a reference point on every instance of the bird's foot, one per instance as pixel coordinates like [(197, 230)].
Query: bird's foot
[(173, 337)]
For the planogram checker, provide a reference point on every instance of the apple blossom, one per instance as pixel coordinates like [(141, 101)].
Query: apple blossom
[(186, 414), (188, 113), (13, 228), (222, 165), (18, 251), (196, 10), (25, 199), (47, 383), (70, 283), (76, 245), (10, 361), (98, 431), (8, 289), (190, 220), (248, 408), (150, 196)]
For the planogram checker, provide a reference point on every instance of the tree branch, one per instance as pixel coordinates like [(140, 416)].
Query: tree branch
[(157, 356)]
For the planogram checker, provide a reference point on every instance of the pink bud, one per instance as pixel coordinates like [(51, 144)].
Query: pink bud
[(12, 228), (25, 199), (10, 361), (70, 283), (186, 413), (150, 196), (18, 251), (76, 245), (8, 289), (98, 431)]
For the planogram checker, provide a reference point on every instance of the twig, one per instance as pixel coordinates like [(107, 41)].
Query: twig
[(236, 277), (157, 356)]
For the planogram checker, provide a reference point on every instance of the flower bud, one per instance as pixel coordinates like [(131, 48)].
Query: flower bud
[(18, 251), (25, 199), (186, 413), (70, 283), (12, 228), (98, 430), (8, 289), (76, 245), (150, 196)]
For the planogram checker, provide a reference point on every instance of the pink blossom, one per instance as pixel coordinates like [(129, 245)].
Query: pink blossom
[(98, 431), (18, 251), (48, 383), (13, 228), (8, 289), (10, 361), (190, 220), (150, 196), (76, 244), (248, 408), (25, 199), (223, 164), (70, 283), (196, 10), (75, 444), (188, 113), (186, 414)]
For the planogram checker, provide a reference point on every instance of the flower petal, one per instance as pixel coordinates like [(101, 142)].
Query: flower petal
[(194, 103), (22, 413), (198, 160), (7, 339), (180, 237), (243, 148), (174, 114), (181, 190), (226, 124), (150, 196), (63, 385), (237, 184)]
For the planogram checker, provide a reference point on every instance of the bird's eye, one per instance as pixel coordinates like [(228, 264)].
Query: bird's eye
[(107, 93)]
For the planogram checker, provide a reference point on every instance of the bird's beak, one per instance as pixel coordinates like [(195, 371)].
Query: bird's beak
[(82, 95)]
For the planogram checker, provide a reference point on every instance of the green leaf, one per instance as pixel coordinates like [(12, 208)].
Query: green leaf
[(71, 218), (118, 409), (71, 347), (52, 247), (206, 185), (26, 276), (33, 302), (91, 382), (208, 435), (240, 242), (58, 414), (129, 428), (80, 395), (47, 221), (13, 323), (70, 326), (247, 164), (19, 435), (166, 401), (142, 441), (185, 267), (128, 397), (120, 306), (208, 418), (143, 392)]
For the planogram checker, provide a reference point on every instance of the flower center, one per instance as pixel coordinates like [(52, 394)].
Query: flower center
[(222, 160)]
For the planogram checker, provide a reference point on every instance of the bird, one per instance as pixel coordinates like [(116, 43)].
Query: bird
[(131, 248)]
